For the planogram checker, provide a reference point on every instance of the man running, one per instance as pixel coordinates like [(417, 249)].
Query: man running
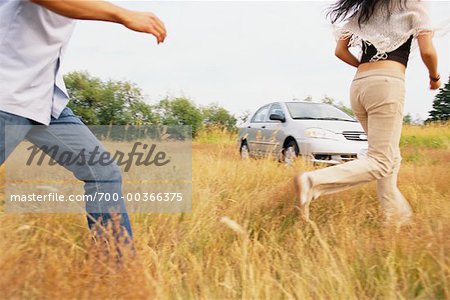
[(33, 38)]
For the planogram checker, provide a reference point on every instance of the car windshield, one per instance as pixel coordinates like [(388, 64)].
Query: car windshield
[(316, 111)]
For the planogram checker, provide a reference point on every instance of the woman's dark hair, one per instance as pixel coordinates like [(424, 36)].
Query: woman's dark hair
[(345, 9)]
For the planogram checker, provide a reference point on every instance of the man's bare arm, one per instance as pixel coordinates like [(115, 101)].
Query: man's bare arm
[(98, 10)]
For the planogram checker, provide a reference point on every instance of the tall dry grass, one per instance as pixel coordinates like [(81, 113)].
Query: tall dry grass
[(245, 240)]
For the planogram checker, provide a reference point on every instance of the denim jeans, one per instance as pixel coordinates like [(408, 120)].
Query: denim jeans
[(69, 134)]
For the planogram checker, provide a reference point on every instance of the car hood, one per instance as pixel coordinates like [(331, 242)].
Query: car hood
[(334, 126)]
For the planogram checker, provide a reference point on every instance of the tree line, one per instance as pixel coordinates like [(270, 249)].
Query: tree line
[(105, 102), (100, 102)]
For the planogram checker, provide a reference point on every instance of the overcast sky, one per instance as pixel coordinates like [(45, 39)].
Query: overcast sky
[(240, 55)]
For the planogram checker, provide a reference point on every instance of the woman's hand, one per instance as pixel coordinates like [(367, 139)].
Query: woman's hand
[(434, 85), (429, 57)]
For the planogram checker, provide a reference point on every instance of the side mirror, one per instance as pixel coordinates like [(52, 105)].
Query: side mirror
[(277, 117)]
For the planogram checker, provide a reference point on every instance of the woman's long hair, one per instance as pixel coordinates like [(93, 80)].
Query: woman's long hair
[(345, 9)]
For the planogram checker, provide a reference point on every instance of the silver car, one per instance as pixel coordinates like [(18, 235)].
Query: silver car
[(319, 132)]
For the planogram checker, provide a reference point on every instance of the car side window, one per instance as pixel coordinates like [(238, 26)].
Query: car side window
[(276, 109), (261, 114)]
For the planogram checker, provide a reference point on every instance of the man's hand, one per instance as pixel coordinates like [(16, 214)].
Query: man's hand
[(146, 23), (105, 11)]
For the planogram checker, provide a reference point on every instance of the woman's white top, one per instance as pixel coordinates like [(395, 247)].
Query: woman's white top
[(387, 31)]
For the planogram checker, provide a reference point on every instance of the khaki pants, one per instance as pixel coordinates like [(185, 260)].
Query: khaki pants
[(377, 99)]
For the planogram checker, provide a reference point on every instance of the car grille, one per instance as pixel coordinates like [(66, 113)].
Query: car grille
[(355, 135), (335, 157)]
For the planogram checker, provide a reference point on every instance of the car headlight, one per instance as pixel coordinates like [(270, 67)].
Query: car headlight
[(319, 133)]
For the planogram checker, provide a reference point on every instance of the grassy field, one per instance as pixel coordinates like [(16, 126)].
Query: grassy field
[(245, 239)]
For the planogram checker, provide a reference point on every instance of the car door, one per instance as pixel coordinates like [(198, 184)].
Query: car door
[(274, 132), (256, 132)]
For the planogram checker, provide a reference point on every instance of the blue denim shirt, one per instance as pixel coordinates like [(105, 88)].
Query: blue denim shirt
[(32, 43)]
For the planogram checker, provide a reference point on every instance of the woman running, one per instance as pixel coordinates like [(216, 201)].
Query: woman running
[(385, 30)]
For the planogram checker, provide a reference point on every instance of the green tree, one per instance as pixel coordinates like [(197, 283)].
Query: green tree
[(340, 105), (214, 115), (100, 102), (179, 111), (141, 113), (85, 95), (345, 109), (407, 119), (441, 105)]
